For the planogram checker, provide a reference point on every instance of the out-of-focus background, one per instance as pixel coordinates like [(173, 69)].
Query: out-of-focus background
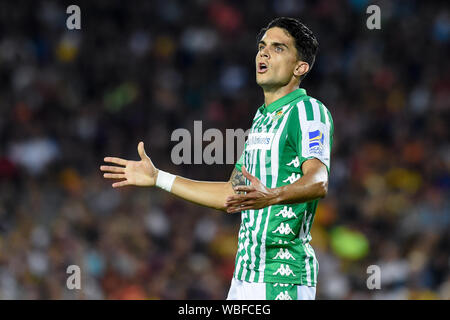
[(139, 70)]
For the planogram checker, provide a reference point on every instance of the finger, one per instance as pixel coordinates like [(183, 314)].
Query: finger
[(241, 197), (239, 209), (112, 169), (119, 161), (114, 176), (141, 151), (120, 184), (235, 203), (244, 188), (240, 202), (248, 175)]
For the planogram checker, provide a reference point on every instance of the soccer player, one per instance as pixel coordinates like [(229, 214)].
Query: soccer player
[(278, 180)]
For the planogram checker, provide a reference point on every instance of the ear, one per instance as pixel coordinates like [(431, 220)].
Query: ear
[(301, 68)]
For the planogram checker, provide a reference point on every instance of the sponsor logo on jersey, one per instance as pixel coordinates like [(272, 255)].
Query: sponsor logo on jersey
[(284, 271), (259, 140)]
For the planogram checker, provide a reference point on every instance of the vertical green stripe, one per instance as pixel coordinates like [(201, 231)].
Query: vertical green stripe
[(331, 131), (309, 110), (263, 215), (313, 270), (322, 112), (280, 291)]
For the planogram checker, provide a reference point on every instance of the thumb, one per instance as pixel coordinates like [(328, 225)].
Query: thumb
[(141, 151)]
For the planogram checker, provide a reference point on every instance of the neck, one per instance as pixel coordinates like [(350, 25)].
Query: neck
[(273, 94)]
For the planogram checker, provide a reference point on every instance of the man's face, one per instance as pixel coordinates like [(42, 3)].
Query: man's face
[(276, 59)]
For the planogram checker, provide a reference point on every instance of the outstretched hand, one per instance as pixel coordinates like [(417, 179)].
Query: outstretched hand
[(137, 173), (256, 195)]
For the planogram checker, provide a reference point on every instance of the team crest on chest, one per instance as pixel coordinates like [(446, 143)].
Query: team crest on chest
[(277, 115)]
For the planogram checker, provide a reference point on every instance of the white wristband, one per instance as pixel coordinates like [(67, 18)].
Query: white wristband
[(165, 180)]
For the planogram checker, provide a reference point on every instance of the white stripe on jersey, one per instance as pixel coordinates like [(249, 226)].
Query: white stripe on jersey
[(316, 109), (262, 174), (262, 255), (254, 234), (314, 263), (274, 167), (303, 126), (308, 268), (327, 118), (247, 241), (310, 252), (252, 171)]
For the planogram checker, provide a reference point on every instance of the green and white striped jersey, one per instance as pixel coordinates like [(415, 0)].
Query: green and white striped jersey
[(274, 241)]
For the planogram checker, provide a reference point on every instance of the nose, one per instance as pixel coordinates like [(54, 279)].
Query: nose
[(264, 53)]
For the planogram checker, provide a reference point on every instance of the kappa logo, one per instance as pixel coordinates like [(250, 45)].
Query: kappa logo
[(283, 242), (305, 225), (295, 163), (284, 271), (283, 229), (285, 255), (283, 296), (282, 285), (286, 213), (292, 178)]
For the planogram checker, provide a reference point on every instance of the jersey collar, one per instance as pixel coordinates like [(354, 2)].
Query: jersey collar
[(282, 101)]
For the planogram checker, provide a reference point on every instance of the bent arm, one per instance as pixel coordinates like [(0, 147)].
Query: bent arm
[(311, 186), (143, 173)]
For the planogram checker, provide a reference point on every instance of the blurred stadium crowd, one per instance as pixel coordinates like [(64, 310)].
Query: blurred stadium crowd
[(139, 70)]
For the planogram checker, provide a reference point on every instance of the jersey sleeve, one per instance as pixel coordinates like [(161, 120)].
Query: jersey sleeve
[(239, 163), (315, 132)]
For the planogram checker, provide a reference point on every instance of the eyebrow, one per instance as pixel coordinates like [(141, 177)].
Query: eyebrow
[(273, 44)]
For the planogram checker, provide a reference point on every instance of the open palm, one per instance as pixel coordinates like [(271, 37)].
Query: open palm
[(137, 173)]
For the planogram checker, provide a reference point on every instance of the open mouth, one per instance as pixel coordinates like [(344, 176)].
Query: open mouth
[(262, 67)]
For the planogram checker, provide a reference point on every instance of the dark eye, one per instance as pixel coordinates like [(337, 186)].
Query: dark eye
[(278, 49), (261, 47)]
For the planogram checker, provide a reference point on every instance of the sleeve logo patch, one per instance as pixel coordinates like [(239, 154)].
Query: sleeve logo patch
[(316, 139)]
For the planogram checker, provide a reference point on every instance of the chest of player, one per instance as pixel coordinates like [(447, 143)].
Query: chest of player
[(269, 133), (270, 150)]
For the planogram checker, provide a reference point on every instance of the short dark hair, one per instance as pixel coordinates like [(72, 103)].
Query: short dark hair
[(305, 41)]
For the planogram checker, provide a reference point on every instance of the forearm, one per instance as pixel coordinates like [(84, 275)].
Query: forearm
[(205, 193), (312, 185), (307, 188)]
